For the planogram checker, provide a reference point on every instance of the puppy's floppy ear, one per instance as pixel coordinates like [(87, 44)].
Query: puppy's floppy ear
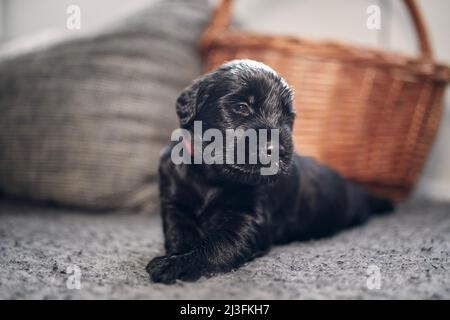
[(189, 103)]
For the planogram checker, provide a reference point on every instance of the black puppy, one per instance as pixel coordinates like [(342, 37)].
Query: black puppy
[(218, 216)]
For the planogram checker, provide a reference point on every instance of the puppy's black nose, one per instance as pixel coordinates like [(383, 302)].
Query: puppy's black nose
[(269, 149)]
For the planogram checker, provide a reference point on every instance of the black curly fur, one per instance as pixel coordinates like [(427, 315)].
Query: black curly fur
[(216, 217)]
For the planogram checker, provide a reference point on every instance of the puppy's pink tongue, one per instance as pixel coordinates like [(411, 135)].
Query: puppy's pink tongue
[(187, 145)]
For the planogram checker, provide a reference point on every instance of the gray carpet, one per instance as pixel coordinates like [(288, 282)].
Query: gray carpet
[(411, 249)]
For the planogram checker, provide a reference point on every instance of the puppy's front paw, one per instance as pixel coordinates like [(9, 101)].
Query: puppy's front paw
[(167, 269)]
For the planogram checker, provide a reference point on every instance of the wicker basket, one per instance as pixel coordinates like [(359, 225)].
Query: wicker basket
[(369, 114)]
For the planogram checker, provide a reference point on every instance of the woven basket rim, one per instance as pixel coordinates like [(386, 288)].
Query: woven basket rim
[(317, 49)]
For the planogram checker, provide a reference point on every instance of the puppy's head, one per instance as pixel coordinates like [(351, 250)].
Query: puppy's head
[(242, 94)]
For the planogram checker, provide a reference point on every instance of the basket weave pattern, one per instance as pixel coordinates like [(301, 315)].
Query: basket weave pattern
[(369, 114)]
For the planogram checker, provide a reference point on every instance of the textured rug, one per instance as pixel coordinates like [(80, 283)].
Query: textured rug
[(46, 253)]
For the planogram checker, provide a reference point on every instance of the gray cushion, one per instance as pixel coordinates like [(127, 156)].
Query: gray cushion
[(82, 122)]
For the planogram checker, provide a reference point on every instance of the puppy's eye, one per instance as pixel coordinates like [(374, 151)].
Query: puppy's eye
[(241, 108)]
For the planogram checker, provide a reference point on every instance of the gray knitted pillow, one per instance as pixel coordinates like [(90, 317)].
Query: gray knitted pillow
[(82, 122)]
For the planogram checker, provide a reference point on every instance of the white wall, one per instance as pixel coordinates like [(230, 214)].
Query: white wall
[(320, 19), (2, 21), (22, 17)]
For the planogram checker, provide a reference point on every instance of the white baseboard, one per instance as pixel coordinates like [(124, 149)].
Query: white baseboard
[(433, 189)]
